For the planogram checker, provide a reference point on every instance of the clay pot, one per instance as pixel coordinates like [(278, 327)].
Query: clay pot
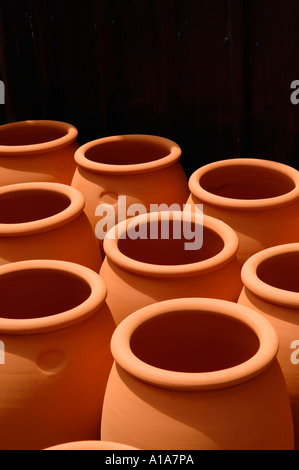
[(91, 445), (271, 288), (141, 271), (56, 328), (143, 169), (250, 195), (46, 221), (197, 374), (37, 151)]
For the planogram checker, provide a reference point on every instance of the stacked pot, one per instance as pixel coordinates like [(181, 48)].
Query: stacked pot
[(138, 311), (260, 201)]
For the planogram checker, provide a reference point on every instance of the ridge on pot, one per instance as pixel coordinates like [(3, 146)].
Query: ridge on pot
[(56, 328), (203, 374), (37, 150), (252, 196), (153, 257), (142, 169), (271, 288), (46, 221)]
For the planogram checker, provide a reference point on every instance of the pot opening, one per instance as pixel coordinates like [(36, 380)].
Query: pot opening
[(194, 342), (246, 182), (39, 293), (281, 271), (17, 207), (170, 247), (127, 152), (27, 133)]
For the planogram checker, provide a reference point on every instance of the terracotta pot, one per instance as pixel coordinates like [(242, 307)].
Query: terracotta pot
[(91, 445), (37, 151), (250, 195), (271, 288), (144, 169), (139, 272), (56, 328), (197, 374), (46, 220)]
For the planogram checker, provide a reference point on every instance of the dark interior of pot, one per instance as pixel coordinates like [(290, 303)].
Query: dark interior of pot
[(246, 182), (26, 133), (18, 207), (127, 152), (40, 293), (177, 243), (281, 271), (194, 342)]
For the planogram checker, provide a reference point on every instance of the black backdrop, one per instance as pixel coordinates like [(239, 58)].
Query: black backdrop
[(213, 75)]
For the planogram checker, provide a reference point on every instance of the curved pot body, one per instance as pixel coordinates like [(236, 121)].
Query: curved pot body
[(271, 288), (197, 374), (156, 267), (56, 329), (91, 445), (250, 195), (37, 151), (121, 171), (46, 221)]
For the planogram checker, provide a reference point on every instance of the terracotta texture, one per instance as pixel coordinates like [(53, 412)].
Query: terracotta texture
[(37, 150), (197, 374), (56, 328), (271, 288), (46, 221), (143, 271), (144, 168), (250, 195), (91, 445)]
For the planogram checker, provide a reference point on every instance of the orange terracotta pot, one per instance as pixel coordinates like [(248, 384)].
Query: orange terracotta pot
[(139, 272), (56, 329), (271, 288), (197, 374), (250, 195), (91, 445), (37, 151), (46, 221), (143, 168)]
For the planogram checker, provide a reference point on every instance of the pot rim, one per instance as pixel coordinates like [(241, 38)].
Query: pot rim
[(226, 233), (75, 208), (172, 157), (266, 292), (244, 204), (65, 319), (91, 445), (71, 134), (261, 360)]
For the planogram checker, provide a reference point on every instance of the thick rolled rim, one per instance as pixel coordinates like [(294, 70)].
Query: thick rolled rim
[(75, 208), (70, 135), (98, 293), (228, 235), (257, 286), (172, 157), (261, 360), (250, 204), (91, 445)]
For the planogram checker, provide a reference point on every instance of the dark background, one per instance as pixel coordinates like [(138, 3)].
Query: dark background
[(213, 75)]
